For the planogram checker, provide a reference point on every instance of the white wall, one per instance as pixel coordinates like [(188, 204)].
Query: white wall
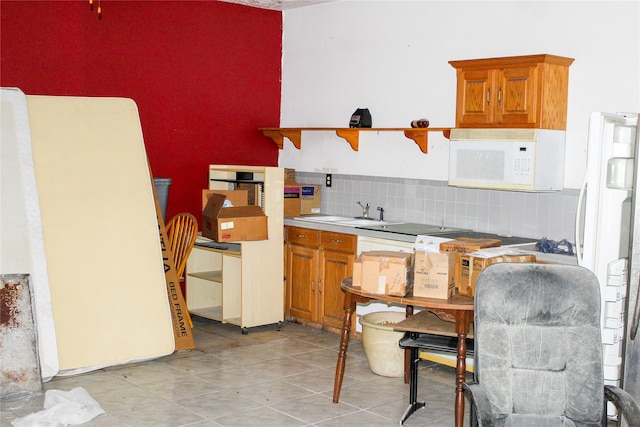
[(392, 57)]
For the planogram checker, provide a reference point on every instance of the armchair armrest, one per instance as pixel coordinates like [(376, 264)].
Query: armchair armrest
[(625, 404), (480, 403)]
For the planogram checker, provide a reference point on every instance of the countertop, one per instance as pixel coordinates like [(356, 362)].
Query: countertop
[(524, 243), (323, 226)]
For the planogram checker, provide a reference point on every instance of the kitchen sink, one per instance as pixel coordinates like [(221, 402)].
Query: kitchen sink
[(361, 222), (323, 218), (346, 221)]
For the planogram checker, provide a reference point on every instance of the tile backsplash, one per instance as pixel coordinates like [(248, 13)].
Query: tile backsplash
[(533, 215)]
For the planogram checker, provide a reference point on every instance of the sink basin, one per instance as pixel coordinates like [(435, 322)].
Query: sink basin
[(323, 218), (346, 221), (360, 222)]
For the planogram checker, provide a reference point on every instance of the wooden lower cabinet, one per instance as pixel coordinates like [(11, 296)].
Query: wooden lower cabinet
[(335, 267), (301, 274), (317, 262)]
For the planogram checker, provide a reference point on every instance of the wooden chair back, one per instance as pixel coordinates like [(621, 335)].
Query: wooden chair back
[(182, 231)]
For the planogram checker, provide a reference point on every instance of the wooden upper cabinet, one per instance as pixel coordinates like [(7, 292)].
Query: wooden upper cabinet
[(474, 103), (516, 92)]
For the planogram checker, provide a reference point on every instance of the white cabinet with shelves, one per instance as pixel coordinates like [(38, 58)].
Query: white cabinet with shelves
[(241, 283), (214, 281)]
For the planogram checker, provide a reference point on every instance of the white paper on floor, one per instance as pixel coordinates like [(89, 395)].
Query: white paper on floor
[(63, 408)]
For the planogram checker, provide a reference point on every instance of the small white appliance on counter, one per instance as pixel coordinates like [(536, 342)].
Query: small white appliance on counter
[(507, 159)]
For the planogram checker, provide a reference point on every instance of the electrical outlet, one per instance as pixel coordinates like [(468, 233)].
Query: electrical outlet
[(328, 180)]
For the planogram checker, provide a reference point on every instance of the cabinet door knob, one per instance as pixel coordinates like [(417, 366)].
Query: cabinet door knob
[(488, 96), (313, 286), (320, 286), (336, 240), (301, 236), (500, 96)]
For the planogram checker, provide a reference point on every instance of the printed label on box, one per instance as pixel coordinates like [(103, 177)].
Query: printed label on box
[(382, 284), (291, 192), (226, 225), (308, 191)]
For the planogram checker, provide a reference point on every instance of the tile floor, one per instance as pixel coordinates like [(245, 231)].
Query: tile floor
[(268, 377)]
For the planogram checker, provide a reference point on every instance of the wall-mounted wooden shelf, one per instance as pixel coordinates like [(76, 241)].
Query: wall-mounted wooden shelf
[(352, 135)]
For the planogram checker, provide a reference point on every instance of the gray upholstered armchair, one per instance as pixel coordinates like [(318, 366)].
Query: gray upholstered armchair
[(538, 355)]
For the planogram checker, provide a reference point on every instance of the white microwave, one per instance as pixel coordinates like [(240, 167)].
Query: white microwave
[(507, 159)]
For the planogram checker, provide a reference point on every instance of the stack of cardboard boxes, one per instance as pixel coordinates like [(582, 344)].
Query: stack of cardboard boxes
[(431, 272), (299, 199)]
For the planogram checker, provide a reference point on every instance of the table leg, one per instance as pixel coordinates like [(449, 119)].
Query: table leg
[(463, 320), (414, 405), (407, 352), (349, 310)]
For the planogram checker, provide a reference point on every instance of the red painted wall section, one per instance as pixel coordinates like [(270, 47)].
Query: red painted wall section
[(204, 74)]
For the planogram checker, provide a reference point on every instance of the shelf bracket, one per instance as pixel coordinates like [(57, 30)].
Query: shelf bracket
[(352, 136), (421, 136), (278, 135)]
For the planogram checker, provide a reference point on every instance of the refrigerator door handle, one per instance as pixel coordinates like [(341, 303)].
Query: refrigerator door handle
[(578, 217), (635, 319)]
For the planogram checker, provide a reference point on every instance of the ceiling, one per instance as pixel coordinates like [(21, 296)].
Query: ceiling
[(277, 4)]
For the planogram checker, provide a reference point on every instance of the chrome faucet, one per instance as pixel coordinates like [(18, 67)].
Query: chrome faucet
[(365, 209), (381, 213)]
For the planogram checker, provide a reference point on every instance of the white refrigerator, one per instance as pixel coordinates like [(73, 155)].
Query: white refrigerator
[(611, 240)]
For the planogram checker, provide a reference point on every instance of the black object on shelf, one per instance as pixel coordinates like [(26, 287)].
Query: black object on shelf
[(361, 118)]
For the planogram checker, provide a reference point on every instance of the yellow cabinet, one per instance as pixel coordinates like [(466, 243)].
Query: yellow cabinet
[(515, 92), (317, 262)]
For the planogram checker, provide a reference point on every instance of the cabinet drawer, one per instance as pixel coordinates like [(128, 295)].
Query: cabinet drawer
[(303, 237), (339, 241)]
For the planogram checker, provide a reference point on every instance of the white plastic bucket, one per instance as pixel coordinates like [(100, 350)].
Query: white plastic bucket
[(381, 343)]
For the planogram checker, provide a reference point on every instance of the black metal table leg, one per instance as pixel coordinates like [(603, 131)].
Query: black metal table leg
[(414, 405)]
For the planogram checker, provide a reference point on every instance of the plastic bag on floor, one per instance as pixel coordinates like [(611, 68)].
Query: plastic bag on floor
[(63, 408)]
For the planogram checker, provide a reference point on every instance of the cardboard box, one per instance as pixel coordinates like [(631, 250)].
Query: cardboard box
[(235, 197), (467, 244), (254, 195), (468, 269), (387, 272), (232, 224), (289, 176), (356, 280), (299, 199), (434, 274), (292, 199), (309, 198)]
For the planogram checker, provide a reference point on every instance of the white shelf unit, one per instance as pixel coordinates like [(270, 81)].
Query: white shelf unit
[(241, 283)]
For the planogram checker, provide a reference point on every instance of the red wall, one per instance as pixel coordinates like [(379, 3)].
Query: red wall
[(204, 74)]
